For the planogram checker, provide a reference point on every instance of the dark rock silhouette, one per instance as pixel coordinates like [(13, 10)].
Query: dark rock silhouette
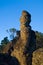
[(6, 59)]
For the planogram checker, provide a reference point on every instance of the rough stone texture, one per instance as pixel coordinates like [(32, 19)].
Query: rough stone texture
[(24, 45), (37, 58)]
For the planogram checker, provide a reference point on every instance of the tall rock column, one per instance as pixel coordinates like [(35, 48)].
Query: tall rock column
[(25, 29), (23, 42)]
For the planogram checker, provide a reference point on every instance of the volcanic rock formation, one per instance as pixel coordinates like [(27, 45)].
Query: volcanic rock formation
[(24, 46)]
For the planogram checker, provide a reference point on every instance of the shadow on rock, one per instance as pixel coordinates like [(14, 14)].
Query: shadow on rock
[(6, 59)]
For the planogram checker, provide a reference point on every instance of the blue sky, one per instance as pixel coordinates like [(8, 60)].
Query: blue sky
[(10, 12)]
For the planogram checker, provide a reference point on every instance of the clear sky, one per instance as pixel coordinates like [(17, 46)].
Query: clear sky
[(10, 12)]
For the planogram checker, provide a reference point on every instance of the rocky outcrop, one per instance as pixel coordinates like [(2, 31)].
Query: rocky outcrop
[(23, 47), (37, 58)]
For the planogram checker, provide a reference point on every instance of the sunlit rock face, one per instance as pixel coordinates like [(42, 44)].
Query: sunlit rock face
[(25, 17), (22, 50), (37, 58), (25, 34), (25, 29), (25, 45)]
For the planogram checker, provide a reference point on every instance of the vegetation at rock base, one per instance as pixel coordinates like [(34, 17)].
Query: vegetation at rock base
[(39, 39), (4, 42)]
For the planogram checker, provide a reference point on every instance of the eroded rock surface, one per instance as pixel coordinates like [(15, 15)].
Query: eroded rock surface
[(23, 47), (37, 58), (26, 44)]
